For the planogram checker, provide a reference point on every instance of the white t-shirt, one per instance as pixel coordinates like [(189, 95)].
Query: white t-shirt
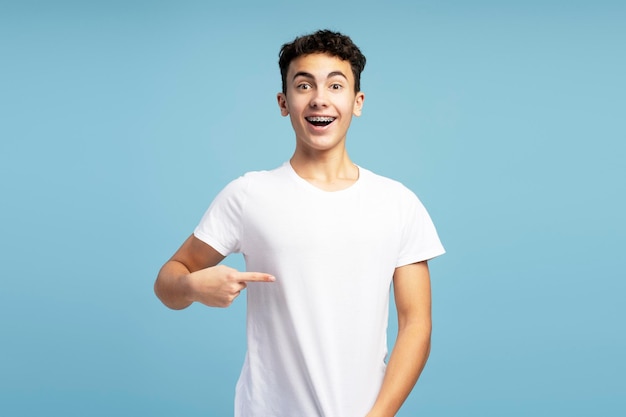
[(317, 335)]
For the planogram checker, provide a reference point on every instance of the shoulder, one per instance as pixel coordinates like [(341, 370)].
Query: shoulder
[(388, 187), (258, 177), (253, 182), (267, 174)]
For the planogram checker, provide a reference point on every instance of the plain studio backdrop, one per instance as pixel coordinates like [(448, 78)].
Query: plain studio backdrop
[(121, 120)]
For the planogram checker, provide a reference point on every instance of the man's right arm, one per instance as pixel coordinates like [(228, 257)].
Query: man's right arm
[(193, 274)]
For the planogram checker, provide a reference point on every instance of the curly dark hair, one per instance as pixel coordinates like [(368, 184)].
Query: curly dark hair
[(324, 42)]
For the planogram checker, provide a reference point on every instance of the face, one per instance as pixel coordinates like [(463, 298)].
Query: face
[(320, 101)]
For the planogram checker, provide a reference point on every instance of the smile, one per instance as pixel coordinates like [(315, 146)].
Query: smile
[(320, 120)]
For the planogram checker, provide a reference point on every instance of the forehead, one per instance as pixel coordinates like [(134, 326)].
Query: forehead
[(320, 66)]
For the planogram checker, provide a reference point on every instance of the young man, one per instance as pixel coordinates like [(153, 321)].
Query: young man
[(322, 239)]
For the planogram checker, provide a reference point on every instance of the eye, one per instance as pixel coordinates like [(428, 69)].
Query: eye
[(336, 86), (303, 86)]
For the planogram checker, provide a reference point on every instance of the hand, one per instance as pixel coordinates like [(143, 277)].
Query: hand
[(219, 285)]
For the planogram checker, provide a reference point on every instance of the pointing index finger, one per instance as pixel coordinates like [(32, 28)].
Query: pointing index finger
[(255, 277)]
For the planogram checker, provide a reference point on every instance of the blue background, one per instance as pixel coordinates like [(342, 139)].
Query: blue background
[(120, 121)]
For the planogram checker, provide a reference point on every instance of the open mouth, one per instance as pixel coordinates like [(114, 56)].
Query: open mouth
[(320, 120)]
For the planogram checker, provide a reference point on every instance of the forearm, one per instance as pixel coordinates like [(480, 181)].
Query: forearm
[(172, 287), (406, 363)]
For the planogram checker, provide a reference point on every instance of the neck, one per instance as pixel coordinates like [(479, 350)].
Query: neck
[(330, 172)]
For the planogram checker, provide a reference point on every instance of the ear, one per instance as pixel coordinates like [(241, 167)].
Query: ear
[(282, 104), (357, 109)]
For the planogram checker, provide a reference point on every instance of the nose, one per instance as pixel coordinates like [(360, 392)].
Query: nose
[(319, 98)]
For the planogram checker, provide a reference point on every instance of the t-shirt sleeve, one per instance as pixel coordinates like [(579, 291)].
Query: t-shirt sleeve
[(420, 241), (221, 225)]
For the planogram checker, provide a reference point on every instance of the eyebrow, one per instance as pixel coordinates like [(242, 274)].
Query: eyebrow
[(309, 75)]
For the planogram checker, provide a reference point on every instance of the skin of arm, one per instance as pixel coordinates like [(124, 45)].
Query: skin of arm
[(412, 347), (193, 274)]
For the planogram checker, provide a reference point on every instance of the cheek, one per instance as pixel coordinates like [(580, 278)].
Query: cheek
[(295, 121), (295, 107)]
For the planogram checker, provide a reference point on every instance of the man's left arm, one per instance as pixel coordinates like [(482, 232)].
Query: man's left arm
[(410, 352)]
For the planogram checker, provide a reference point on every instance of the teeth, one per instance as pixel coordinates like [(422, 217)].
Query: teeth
[(320, 119)]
